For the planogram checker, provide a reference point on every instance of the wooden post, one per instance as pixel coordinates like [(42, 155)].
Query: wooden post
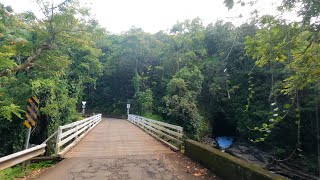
[(58, 140), (181, 145), (77, 127)]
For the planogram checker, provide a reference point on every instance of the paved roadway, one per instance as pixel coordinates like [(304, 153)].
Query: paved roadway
[(117, 149)]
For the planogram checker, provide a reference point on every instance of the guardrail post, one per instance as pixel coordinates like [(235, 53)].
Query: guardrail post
[(93, 122), (58, 140)]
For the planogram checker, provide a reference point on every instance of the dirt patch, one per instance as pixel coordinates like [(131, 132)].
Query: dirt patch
[(33, 174), (188, 167)]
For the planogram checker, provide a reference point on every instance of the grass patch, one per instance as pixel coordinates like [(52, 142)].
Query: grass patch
[(18, 172)]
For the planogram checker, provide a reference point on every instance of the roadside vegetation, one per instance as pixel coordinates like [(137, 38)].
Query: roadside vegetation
[(19, 172)]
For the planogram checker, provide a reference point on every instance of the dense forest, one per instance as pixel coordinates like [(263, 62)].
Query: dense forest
[(258, 82)]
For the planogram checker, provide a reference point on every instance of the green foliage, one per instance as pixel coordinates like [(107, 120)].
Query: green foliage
[(12, 173), (229, 3), (180, 99), (152, 116), (8, 111), (290, 48), (146, 100), (18, 172), (214, 79), (54, 58)]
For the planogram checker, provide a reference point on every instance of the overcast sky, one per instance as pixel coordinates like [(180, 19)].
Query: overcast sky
[(154, 15)]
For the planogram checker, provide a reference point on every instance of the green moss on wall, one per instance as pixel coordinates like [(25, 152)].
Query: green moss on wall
[(224, 165)]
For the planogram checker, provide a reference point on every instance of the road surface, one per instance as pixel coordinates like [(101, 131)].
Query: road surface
[(117, 149)]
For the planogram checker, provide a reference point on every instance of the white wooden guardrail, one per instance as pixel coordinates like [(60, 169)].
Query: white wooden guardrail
[(70, 134), (67, 135), (167, 133)]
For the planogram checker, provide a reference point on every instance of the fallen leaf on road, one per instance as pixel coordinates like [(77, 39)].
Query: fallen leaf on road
[(197, 174)]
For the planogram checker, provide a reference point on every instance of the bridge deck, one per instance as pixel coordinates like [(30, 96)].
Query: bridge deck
[(114, 137), (117, 149)]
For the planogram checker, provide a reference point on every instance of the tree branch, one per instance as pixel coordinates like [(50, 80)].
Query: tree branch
[(29, 63)]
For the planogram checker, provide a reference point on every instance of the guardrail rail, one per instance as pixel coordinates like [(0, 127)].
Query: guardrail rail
[(169, 134), (69, 135), (21, 156)]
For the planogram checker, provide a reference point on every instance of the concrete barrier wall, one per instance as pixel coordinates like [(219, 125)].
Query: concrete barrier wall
[(224, 165)]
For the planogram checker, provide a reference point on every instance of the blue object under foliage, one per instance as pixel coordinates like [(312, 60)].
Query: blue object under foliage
[(224, 142)]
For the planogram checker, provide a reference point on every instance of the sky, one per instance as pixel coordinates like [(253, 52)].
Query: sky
[(154, 15)]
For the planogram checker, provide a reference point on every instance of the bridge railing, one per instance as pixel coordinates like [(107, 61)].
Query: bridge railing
[(70, 134), (167, 133), (66, 137)]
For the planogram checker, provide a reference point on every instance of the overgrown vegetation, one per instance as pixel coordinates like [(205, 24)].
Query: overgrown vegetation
[(19, 172), (53, 58), (258, 81)]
